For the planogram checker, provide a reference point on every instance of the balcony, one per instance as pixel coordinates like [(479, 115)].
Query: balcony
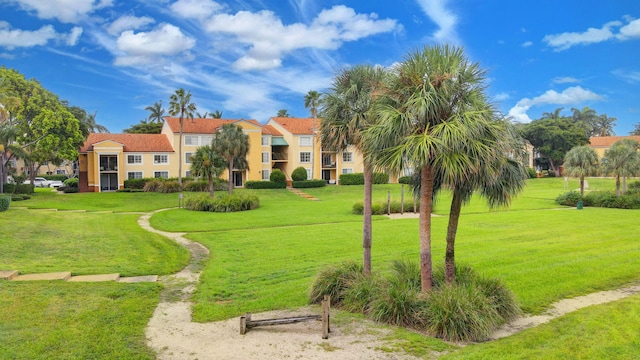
[(279, 157)]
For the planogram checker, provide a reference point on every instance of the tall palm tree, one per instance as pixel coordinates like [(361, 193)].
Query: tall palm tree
[(208, 164), (438, 102), (232, 144), (157, 112), (552, 115), (346, 112), (216, 114), (311, 101), (604, 125), (586, 116), (202, 116), (621, 160), (180, 103), (283, 113), (89, 122), (580, 162)]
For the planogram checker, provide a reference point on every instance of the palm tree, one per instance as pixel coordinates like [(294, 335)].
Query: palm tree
[(89, 122), (202, 116), (587, 116), (180, 103), (621, 160), (157, 112), (232, 145), (208, 164), (437, 103), (216, 114), (311, 102), (580, 162), (636, 130), (283, 113), (346, 112), (552, 115), (604, 125)]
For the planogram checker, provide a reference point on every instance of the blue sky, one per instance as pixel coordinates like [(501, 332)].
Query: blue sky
[(250, 58)]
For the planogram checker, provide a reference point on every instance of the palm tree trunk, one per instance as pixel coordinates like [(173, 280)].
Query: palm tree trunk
[(555, 169), (230, 184), (624, 185), (426, 204), (366, 226), (211, 185), (581, 185), (452, 228), (617, 185), (180, 155)]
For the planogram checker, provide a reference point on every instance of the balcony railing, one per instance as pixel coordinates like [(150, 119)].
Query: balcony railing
[(279, 157)]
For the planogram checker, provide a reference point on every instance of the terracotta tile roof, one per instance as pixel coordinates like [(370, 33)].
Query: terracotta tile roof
[(607, 141), (270, 130), (131, 142), (200, 125), (297, 126)]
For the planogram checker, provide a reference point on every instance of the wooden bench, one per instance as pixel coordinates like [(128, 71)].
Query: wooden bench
[(247, 323)]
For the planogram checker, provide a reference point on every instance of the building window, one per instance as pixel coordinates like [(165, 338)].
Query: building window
[(305, 157), (265, 157), (347, 171), (191, 140), (61, 172), (187, 173), (160, 159), (265, 140), (305, 140), (134, 175), (347, 157), (309, 176), (265, 174), (206, 140), (134, 159), (161, 174), (187, 157)]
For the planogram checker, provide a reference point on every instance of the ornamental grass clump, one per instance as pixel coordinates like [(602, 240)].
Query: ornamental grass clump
[(332, 280), (225, 203)]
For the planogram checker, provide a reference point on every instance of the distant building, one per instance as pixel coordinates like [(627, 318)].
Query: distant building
[(602, 143)]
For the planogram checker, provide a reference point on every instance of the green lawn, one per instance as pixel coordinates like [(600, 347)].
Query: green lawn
[(266, 259)]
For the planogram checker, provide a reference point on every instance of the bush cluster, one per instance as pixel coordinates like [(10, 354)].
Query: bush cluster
[(605, 199), (20, 197), (71, 182), (56, 177), (17, 188), (380, 207), (570, 198), (226, 203), (299, 174), (405, 180), (532, 173), (467, 311), (257, 184), (358, 179), (309, 183), (277, 176), (5, 202)]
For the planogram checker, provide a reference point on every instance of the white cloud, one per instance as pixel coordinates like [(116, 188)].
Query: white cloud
[(565, 80), (527, 44), (629, 76), (74, 36), (631, 30), (146, 47), (67, 11), (197, 9), (13, 38), (128, 22), (444, 18), (501, 96), (570, 96), (269, 39), (609, 31)]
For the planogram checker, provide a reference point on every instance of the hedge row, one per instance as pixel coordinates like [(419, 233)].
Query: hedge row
[(5, 202), (264, 184), (605, 199), (380, 208), (308, 183), (226, 203), (17, 189), (358, 179)]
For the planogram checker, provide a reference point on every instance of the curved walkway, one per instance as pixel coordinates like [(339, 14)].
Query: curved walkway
[(173, 335)]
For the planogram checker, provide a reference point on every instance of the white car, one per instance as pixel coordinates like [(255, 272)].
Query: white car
[(38, 182), (55, 184)]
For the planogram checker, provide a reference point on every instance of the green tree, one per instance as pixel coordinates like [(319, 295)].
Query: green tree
[(90, 123), (604, 125), (144, 127), (207, 164), (232, 144), (311, 101), (8, 150), (346, 111), (216, 114), (202, 116), (437, 103), (283, 113), (586, 116), (621, 160), (579, 162), (552, 115), (553, 138), (636, 130), (156, 112), (180, 104)]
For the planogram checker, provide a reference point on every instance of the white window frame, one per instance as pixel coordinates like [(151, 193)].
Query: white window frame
[(266, 174), (305, 141), (187, 173), (61, 172), (158, 174), (266, 157), (309, 174), (193, 140), (135, 156), (206, 140), (265, 140), (129, 173), (158, 162), (301, 161), (347, 170), (187, 157), (347, 157)]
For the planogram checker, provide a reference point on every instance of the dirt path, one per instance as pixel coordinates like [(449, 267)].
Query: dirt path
[(172, 334)]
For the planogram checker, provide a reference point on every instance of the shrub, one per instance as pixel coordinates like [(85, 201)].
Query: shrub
[(5, 202), (265, 185), (71, 182), (634, 186), (358, 179), (125, 190), (278, 176), (136, 183), (152, 185), (20, 197), (332, 280), (226, 203), (8, 188), (56, 177), (24, 189), (69, 190), (398, 303), (405, 180), (378, 178), (358, 296), (380, 208), (551, 173), (299, 174), (309, 183), (197, 186), (532, 173), (608, 199), (169, 186), (570, 198)]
